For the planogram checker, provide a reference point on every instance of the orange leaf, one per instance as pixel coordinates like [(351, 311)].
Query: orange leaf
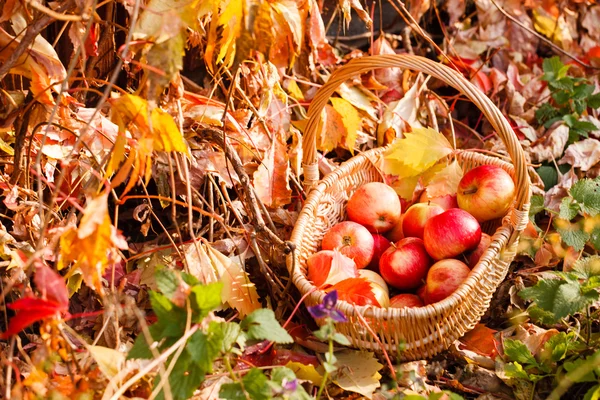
[(271, 178), (355, 291), (480, 340)]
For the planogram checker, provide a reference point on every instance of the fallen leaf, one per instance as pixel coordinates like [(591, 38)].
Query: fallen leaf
[(109, 361), (355, 291), (271, 179), (583, 154), (551, 146), (417, 152), (359, 98), (400, 116), (444, 181), (480, 340), (346, 6), (51, 285), (351, 120), (357, 372), (554, 29), (29, 311), (305, 372)]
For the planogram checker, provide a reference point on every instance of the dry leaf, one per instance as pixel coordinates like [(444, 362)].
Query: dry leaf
[(271, 179), (583, 154), (552, 145), (400, 116), (480, 340), (351, 120), (109, 361), (357, 372), (554, 29)]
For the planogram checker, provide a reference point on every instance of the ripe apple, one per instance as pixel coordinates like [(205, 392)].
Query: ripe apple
[(404, 265), (415, 217), (446, 201), (352, 240), (328, 267), (383, 298), (486, 192), (476, 254), (376, 206), (406, 300), (421, 292), (381, 245), (452, 232), (443, 278), (395, 234)]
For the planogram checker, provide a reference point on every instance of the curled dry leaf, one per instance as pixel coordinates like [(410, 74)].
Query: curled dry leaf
[(551, 145), (583, 154), (358, 372), (400, 117)]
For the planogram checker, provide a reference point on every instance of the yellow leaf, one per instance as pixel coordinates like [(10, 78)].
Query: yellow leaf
[(419, 150), (357, 372), (109, 361), (331, 129), (445, 181), (556, 30), (351, 120), (305, 372), (294, 90)]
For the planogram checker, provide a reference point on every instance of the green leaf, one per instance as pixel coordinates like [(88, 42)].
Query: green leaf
[(537, 205), (588, 266), (561, 97), (582, 92), (171, 318), (557, 346), (561, 298), (140, 348), (184, 379), (594, 101), (516, 371), (545, 112), (572, 235), (254, 383), (577, 363), (595, 238), (166, 281), (587, 193), (554, 69), (568, 209), (593, 393), (206, 298), (262, 325), (282, 375), (230, 334), (204, 348), (565, 84), (548, 175), (516, 351), (341, 339)]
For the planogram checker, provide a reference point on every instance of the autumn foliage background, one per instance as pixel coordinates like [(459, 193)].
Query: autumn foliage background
[(150, 164)]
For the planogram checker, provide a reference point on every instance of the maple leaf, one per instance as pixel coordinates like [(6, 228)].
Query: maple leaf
[(355, 291), (93, 246), (271, 178), (480, 340), (416, 152), (31, 309)]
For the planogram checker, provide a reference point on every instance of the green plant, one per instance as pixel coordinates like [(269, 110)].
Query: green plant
[(571, 97), (183, 308)]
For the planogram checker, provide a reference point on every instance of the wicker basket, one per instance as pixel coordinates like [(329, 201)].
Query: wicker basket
[(425, 331)]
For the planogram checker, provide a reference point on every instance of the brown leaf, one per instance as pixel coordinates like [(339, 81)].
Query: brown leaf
[(583, 154), (455, 9), (271, 178), (551, 146), (480, 340)]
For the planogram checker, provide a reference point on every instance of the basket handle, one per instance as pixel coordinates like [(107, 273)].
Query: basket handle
[(437, 70)]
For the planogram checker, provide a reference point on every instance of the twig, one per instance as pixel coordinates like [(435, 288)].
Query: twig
[(55, 15), (542, 38)]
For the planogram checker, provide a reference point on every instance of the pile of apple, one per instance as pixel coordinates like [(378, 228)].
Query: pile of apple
[(423, 254)]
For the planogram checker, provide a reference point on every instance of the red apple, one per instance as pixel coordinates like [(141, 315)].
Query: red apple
[(446, 201), (381, 245), (443, 278), (404, 265), (381, 294), (476, 254), (452, 232), (376, 206), (352, 240), (406, 300), (486, 192), (416, 216), (421, 292), (395, 234), (328, 267)]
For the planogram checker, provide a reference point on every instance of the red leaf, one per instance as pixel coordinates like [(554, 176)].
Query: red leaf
[(52, 286), (355, 291), (31, 310), (480, 340)]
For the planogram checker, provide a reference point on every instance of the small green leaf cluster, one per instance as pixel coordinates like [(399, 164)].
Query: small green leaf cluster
[(565, 295), (584, 201), (184, 301), (571, 97)]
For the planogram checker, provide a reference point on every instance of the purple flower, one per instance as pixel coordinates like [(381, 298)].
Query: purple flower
[(290, 386), (327, 308)]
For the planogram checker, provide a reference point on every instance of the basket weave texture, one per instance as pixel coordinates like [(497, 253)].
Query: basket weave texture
[(425, 331)]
